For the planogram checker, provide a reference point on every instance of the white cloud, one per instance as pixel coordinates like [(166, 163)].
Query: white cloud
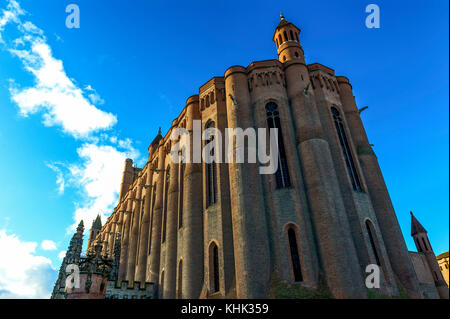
[(60, 181), (29, 27), (48, 245), (99, 176), (74, 109), (60, 100), (11, 14), (94, 97), (58, 38), (62, 254), (22, 273)]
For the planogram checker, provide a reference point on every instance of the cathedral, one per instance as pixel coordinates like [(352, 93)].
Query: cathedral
[(223, 230)]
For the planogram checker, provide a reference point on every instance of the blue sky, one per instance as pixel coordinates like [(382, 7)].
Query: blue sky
[(130, 68)]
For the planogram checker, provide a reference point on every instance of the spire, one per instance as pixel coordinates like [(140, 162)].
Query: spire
[(156, 140), (97, 223), (283, 21), (416, 227), (73, 256), (80, 227), (287, 40)]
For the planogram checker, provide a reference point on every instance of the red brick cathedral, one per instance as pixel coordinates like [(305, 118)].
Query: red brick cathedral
[(218, 230)]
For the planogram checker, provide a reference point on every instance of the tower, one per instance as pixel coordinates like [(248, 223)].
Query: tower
[(95, 229), (94, 270), (127, 177), (419, 233), (154, 144), (73, 255), (286, 37)]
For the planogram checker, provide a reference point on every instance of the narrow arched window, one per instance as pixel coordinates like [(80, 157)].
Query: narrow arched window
[(180, 195), (428, 244), (180, 280), (419, 247), (142, 207), (348, 157), (211, 173), (425, 247), (280, 39), (436, 278), (285, 36), (296, 37), (166, 193), (295, 258), (149, 248), (292, 35), (214, 268), (273, 121), (370, 232), (161, 288)]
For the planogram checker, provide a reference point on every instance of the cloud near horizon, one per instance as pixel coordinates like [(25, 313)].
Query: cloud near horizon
[(48, 245), (22, 273), (74, 109), (98, 176)]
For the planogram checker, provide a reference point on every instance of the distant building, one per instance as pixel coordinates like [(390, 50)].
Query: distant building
[(72, 257), (426, 265), (443, 265), (97, 272)]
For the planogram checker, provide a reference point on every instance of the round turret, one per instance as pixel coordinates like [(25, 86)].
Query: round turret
[(287, 39)]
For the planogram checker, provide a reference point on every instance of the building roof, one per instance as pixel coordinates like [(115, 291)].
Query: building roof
[(443, 255), (283, 23), (416, 227), (158, 138)]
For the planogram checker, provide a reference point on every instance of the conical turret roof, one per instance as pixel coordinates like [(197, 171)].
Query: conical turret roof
[(416, 227), (158, 138), (283, 21)]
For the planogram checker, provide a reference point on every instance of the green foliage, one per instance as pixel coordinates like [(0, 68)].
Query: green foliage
[(283, 290), (374, 294), (402, 294)]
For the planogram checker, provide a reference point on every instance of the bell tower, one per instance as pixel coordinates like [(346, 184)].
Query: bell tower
[(95, 229), (286, 38), (423, 246)]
